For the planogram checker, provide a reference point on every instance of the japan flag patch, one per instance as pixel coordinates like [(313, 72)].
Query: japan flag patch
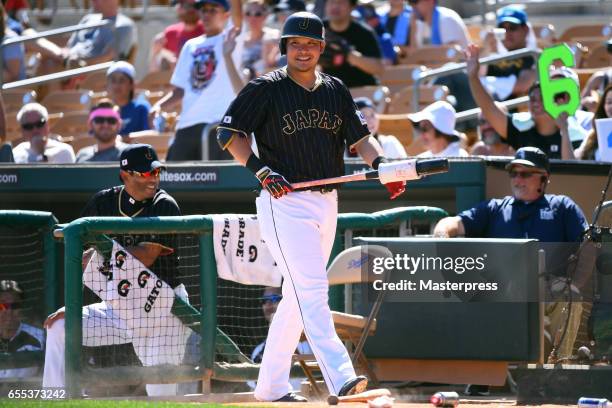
[(227, 119), (362, 118)]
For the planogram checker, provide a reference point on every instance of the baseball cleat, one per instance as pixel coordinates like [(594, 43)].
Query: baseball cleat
[(354, 386), (291, 397)]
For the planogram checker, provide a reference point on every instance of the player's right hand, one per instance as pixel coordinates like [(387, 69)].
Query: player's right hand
[(276, 184)]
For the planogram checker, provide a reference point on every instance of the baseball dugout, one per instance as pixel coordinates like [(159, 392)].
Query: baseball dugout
[(152, 311)]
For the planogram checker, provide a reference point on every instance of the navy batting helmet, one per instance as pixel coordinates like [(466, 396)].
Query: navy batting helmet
[(301, 24)]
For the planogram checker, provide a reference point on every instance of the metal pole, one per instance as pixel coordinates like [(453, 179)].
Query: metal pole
[(57, 76)]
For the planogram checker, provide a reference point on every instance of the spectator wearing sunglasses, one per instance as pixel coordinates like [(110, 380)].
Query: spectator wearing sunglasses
[(16, 335), (548, 134), (435, 125), (528, 213), (257, 38), (120, 88), (104, 124), (38, 145), (511, 78)]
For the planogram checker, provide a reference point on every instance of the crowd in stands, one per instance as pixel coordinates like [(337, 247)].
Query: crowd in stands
[(216, 46)]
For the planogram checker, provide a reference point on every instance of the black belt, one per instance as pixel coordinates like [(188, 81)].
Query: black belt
[(318, 189)]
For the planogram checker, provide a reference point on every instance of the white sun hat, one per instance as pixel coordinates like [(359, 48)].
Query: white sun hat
[(441, 114)]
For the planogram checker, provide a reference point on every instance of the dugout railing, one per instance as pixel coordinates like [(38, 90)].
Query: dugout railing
[(220, 357), (28, 256)]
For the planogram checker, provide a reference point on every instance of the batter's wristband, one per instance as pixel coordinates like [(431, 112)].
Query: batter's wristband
[(254, 164), (377, 161)]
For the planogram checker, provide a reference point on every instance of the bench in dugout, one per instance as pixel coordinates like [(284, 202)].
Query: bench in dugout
[(28, 257), (233, 309)]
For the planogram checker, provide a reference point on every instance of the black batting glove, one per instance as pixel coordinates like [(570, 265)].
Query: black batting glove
[(276, 184)]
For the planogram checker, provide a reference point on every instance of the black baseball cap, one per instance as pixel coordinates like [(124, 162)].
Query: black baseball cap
[(530, 157), (139, 157)]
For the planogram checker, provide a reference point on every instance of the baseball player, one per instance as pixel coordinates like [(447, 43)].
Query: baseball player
[(301, 120), (139, 196)]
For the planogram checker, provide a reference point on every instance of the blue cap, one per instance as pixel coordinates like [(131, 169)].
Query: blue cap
[(511, 14), (223, 3)]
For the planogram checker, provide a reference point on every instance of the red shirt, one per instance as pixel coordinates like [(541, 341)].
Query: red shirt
[(176, 36), (14, 5)]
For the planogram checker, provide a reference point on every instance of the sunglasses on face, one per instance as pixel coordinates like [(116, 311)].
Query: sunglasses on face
[(102, 119), (8, 306), (254, 13), (271, 299), (209, 10), (522, 174), (146, 174), (510, 27), (30, 126), (413, 1)]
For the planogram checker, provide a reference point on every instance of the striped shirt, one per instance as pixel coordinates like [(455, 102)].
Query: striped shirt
[(300, 133)]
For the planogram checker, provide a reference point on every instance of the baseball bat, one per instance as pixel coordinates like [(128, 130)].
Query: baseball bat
[(418, 167), (361, 397)]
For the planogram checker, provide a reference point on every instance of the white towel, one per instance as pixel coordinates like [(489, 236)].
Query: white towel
[(241, 255)]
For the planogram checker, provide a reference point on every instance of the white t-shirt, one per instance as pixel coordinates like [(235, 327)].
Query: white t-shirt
[(200, 71), (452, 150), (452, 29), (55, 152), (392, 148)]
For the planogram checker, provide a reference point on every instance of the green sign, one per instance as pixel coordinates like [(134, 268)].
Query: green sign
[(551, 87)]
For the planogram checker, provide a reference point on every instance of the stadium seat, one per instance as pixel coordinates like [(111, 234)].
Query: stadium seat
[(96, 81), (431, 57), (14, 99), (401, 102), (587, 30), (68, 101), (474, 33), (159, 141), (71, 124), (156, 81), (351, 328), (379, 95), (598, 57), (397, 77)]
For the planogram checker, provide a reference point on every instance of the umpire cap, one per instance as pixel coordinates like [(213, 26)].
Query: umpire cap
[(531, 157), (301, 24)]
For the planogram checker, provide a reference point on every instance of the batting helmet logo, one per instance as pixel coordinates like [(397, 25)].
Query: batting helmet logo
[(301, 24)]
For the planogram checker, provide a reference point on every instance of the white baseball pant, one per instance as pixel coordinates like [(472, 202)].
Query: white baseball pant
[(101, 327), (299, 230)]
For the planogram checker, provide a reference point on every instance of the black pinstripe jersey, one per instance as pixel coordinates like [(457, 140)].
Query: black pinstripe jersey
[(300, 133), (116, 202)]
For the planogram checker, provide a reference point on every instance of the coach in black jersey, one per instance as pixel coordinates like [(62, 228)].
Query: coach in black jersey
[(139, 196), (302, 120)]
